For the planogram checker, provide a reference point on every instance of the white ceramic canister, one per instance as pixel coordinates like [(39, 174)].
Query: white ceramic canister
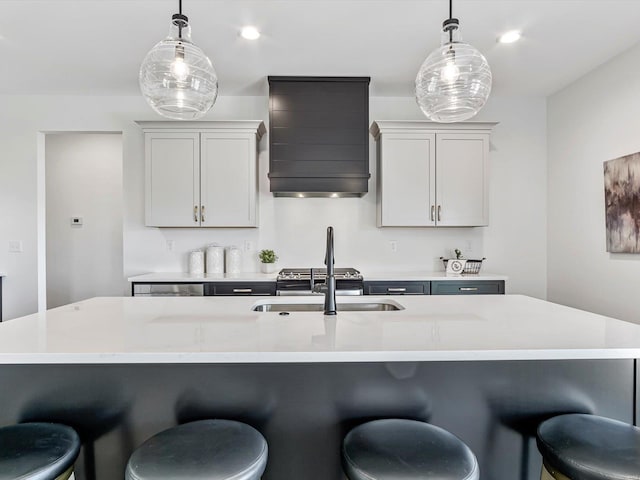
[(214, 259), (196, 262), (233, 259)]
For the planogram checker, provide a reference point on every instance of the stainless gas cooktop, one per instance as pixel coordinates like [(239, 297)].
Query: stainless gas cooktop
[(300, 281), (318, 273)]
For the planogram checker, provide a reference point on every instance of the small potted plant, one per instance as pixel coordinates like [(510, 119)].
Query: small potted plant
[(268, 259)]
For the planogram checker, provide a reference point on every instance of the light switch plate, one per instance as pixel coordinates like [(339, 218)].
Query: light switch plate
[(15, 246), (76, 221)]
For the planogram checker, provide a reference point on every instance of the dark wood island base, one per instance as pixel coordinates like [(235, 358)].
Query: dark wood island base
[(304, 410)]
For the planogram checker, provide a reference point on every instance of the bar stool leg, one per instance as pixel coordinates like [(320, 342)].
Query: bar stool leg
[(89, 460), (524, 458), (68, 475), (546, 475)]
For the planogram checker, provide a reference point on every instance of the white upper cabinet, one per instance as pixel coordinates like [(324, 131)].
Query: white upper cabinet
[(462, 179), (201, 174), (406, 179), (432, 174), (228, 179), (172, 183)]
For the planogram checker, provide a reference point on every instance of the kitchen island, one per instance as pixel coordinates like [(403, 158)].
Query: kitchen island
[(483, 367)]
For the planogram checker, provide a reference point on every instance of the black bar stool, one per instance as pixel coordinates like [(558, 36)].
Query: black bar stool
[(588, 447), (38, 451), (394, 449), (202, 450)]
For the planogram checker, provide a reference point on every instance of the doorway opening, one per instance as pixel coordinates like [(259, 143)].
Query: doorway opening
[(81, 255)]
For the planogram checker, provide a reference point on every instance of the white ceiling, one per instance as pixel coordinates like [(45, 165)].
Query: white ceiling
[(96, 46)]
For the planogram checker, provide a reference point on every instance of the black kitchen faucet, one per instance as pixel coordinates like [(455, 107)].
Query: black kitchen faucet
[(329, 285)]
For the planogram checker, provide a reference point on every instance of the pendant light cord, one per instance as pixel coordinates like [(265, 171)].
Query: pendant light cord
[(180, 24), (450, 17)]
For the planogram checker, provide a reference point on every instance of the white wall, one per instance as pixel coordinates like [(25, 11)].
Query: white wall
[(514, 243), (83, 179), (593, 120)]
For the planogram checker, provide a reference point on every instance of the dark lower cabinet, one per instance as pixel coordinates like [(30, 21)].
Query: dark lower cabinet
[(397, 288), (468, 287), (239, 288), (448, 287)]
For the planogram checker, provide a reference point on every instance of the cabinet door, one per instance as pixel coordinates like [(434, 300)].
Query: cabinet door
[(468, 287), (397, 288), (406, 181), (172, 183), (241, 288), (462, 183), (228, 180)]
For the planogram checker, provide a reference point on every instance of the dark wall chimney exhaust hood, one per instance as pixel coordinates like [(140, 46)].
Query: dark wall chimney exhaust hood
[(318, 136)]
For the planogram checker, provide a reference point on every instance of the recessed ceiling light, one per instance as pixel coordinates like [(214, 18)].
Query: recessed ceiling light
[(250, 33), (510, 36)]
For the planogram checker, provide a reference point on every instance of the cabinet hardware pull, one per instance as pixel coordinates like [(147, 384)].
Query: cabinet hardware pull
[(202, 213), (396, 289), (468, 289), (242, 290), (433, 213), (195, 213), (439, 212)]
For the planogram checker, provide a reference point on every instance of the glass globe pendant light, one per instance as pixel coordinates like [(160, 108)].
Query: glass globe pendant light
[(454, 82), (176, 78)]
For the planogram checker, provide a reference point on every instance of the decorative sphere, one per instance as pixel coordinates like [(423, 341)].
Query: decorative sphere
[(178, 80), (453, 83)]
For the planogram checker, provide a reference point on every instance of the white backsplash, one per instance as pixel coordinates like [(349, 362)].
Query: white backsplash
[(296, 230)]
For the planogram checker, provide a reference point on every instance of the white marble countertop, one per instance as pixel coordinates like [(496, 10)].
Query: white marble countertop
[(226, 330), (210, 277), (427, 276), (271, 277)]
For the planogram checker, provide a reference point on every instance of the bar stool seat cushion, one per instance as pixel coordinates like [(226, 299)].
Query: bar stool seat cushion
[(396, 449), (588, 447), (202, 450), (37, 451)]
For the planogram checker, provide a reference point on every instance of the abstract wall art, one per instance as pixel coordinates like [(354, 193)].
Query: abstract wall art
[(622, 203)]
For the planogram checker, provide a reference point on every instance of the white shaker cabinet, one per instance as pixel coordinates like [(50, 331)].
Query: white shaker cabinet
[(432, 174), (201, 174)]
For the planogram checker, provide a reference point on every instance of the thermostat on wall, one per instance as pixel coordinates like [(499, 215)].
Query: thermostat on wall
[(77, 221)]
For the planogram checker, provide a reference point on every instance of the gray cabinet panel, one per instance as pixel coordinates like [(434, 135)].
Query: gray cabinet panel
[(468, 287), (240, 288), (397, 288)]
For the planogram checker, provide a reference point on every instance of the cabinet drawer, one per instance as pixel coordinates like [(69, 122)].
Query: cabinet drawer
[(396, 288), (468, 287), (240, 288), (167, 289)]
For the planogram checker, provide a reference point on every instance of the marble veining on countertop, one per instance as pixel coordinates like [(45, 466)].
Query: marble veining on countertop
[(227, 330)]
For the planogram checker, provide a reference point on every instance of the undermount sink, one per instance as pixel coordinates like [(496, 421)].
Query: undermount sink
[(372, 306)]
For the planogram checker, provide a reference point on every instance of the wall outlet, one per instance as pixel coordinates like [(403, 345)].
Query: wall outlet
[(171, 245), (468, 246), (76, 221), (394, 245), (15, 246), (248, 245)]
